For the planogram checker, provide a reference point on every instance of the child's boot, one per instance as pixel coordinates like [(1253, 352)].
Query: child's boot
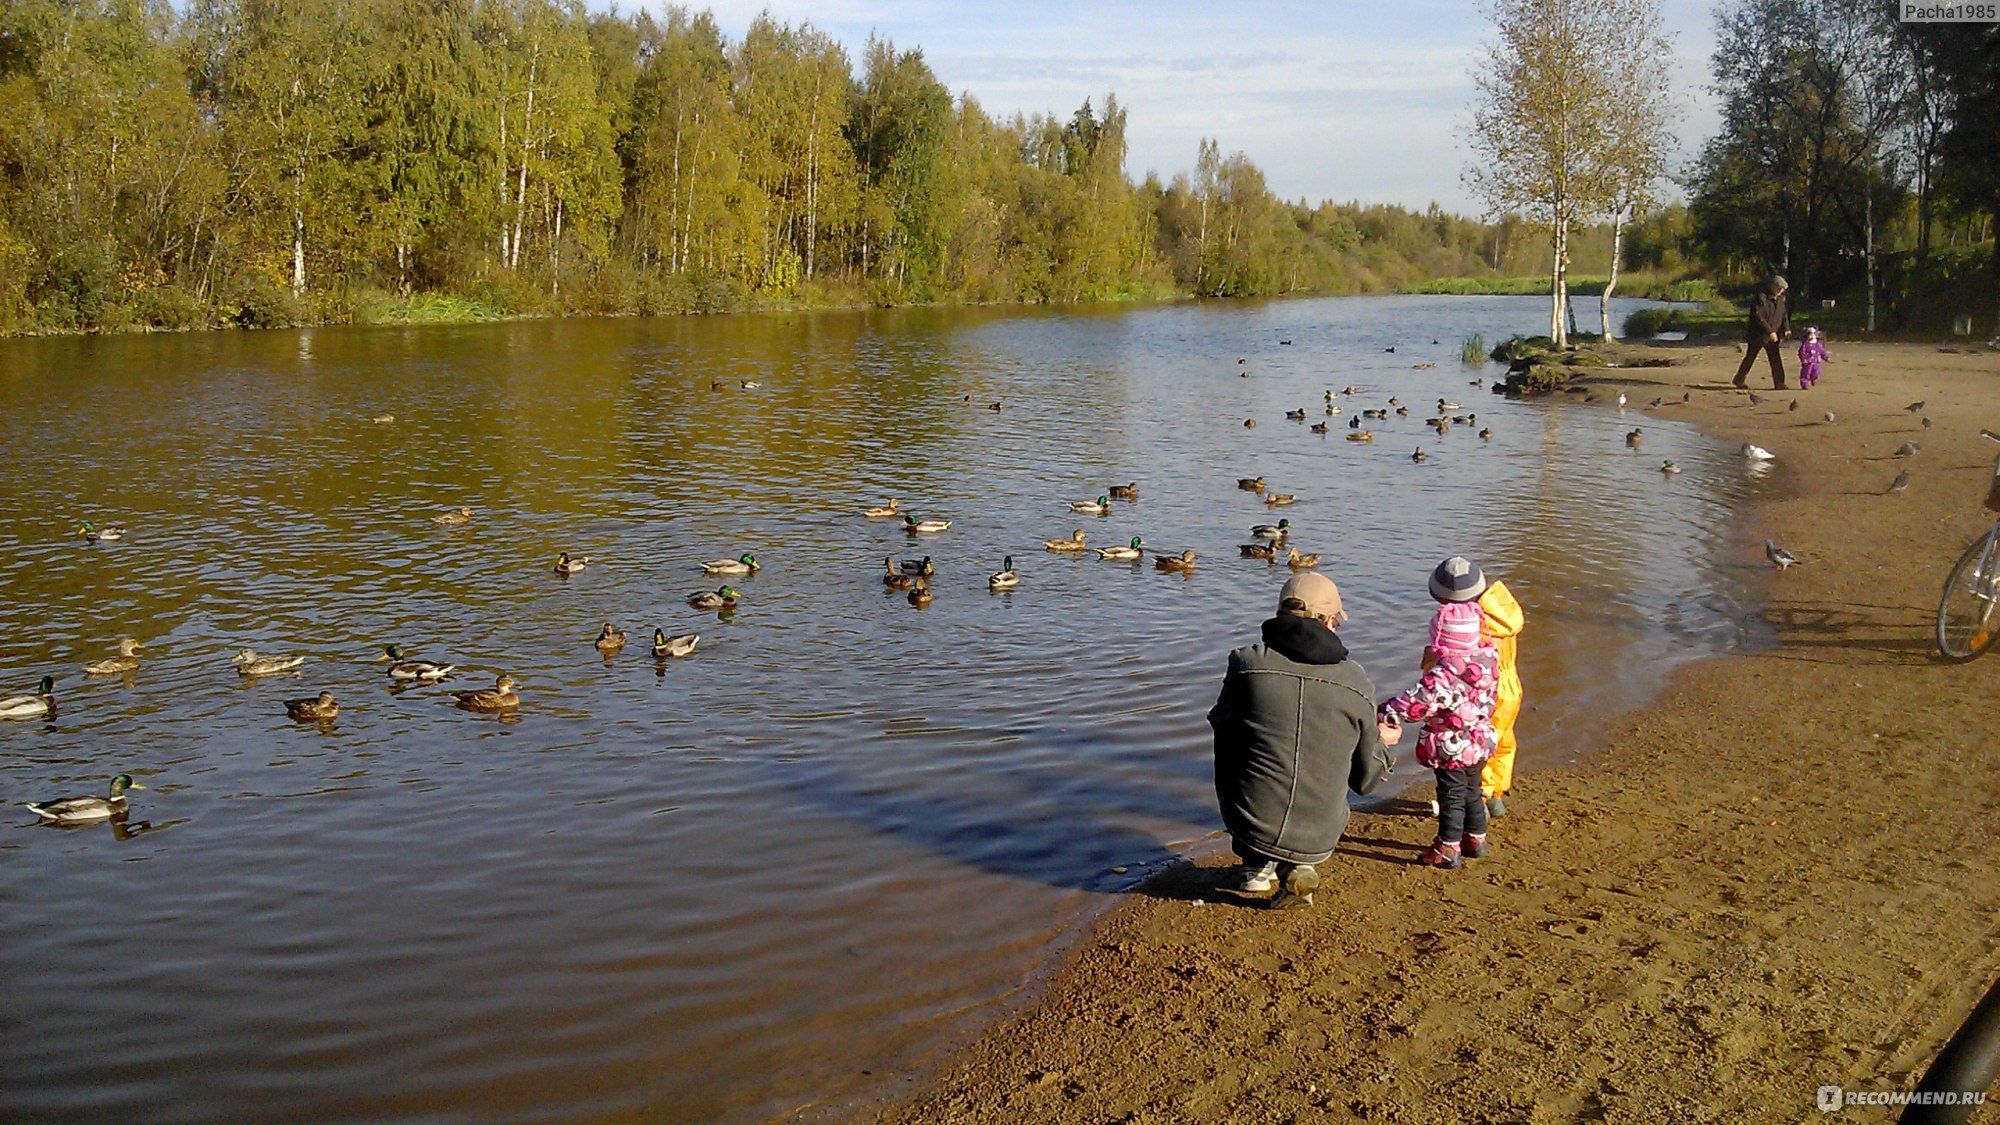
[(1474, 846), (1440, 854), (1496, 806)]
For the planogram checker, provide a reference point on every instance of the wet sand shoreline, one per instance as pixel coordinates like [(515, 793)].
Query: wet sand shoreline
[(1777, 875)]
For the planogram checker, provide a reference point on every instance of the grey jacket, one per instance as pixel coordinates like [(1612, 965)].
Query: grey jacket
[(1294, 731)]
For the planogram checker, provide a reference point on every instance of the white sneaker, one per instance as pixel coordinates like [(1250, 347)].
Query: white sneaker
[(1258, 880)]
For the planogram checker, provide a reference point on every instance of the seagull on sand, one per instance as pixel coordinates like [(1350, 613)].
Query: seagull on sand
[(1828, 417), (1901, 482), (1780, 558)]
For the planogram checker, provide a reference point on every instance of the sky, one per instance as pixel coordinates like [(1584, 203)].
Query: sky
[(1338, 100)]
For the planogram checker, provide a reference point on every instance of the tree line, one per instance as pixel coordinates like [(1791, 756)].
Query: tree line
[(274, 161)]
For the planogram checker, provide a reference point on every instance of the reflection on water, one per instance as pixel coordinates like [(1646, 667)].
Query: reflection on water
[(726, 885)]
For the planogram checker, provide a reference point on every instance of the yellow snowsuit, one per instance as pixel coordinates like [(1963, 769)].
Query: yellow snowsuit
[(1501, 625)]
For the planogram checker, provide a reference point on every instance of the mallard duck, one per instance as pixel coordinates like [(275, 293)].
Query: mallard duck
[(403, 668), (1095, 507), (499, 697), (918, 566), (566, 565), (1298, 415), (1402, 412), (1669, 468), (317, 710), (610, 639), (1124, 491), (921, 596), (1249, 423), (250, 664), (1131, 551), (384, 419), (1422, 366), (1419, 457), (1444, 406), (77, 810), (1073, 543), (108, 534), (1183, 561), (1279, 499), (1250, 484), (883, 512), (1274, 531), (1361, 435), (127, 660), (724, 598), (1005, 578), (1351, 389), (1486, 434), (750, 384), (1332, 410), (1298, 561), (665, 646), (1354, 423), (1632, 439), (913, 525), (1318, 427), (894, 579), (1259, 551), (453, 517), (741, 564), (31, 706)]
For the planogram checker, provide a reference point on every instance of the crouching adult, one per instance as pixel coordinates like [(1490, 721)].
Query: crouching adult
[(1295, 729)]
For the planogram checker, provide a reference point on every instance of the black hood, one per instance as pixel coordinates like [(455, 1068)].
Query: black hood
[(1304, 640)]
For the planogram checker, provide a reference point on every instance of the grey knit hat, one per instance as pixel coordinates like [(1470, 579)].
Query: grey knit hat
[(1457, 579)]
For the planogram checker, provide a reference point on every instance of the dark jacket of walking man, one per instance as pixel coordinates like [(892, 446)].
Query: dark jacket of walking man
[(1769, 318), (1295, 729)]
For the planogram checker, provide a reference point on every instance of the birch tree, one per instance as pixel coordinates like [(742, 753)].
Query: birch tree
[(1545, 122), (1642, 113)]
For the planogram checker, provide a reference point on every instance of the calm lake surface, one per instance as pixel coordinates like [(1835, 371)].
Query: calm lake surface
[(774, 876)]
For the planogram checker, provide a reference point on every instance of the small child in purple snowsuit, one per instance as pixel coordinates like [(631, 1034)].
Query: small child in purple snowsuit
[(1812, 356), (1452, 705)]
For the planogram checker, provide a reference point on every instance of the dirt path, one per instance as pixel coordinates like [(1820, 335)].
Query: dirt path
[(1782, 875)]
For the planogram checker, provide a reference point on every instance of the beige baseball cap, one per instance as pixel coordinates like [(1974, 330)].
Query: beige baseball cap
[(1314, 594)]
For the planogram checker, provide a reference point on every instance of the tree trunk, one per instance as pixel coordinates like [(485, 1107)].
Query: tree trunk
[(1617, 245), (1868, 241), (1558, 290), (527, 150)]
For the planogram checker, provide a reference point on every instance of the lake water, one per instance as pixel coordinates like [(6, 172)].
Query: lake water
[(777, 874)]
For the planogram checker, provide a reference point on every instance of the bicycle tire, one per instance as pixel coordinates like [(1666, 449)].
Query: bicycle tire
[(1976, 580)]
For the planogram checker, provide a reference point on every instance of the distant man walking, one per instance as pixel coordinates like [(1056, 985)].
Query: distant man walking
[(1295, 729), (1768, 321)]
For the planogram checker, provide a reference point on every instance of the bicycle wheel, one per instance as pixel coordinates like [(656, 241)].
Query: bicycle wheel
[(1968, 621)]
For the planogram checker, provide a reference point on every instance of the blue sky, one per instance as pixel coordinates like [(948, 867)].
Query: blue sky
[(1335, 100)]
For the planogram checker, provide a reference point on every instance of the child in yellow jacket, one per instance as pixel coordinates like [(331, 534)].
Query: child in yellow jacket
[(1501, 621)]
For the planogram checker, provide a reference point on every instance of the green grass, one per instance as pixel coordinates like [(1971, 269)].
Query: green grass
[(430, 308), (1472, 352), (1580, 285)]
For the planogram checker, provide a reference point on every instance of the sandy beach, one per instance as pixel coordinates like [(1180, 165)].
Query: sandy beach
[(1781, 875)]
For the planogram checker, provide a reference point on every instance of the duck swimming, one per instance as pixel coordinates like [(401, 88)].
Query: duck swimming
[(1181, 562), (1279, 499), (250, 664), (724, 598), (894, 579), (921, 596), (1124, 491), (499, 697), (453, 517), (1132, 551), (913, 524), (665, 646), (1259, 550), (919, 566), (883, 512), (610, 639), (742, 564), (1096, 507), (127, 660), (1073, 543), (566, 566), (43, 702), (1298, 561), (1006, 578), (82, 810), (1272, 530), (94, 534), (320, 709), (403, 668)]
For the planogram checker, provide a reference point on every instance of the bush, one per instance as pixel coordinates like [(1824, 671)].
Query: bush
[(172, 308), (252, 302)]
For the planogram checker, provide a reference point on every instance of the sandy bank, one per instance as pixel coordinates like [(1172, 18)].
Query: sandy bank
[(1781, 875)]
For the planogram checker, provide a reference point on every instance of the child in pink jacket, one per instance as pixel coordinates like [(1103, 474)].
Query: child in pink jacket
[(1812, 357), (1452, 706)]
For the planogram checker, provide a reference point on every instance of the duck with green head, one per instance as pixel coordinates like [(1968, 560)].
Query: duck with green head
[(724, 598), (41, 703), (404, 668), (1005, 578), (81, 810), (1132, 551), (1096, 507), (665, 646), (745, 563), (567, 565), (94, 534), (919, 566), (913, 525), (1273, 531)]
